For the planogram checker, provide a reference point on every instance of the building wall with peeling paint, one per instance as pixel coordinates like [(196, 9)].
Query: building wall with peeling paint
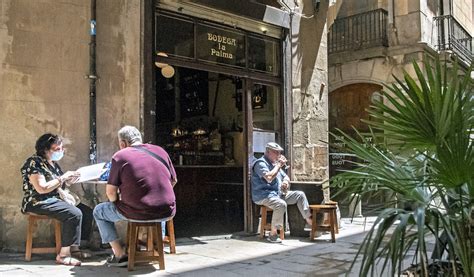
[(44, 56)]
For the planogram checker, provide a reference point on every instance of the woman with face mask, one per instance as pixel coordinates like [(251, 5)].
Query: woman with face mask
[(42, 177)]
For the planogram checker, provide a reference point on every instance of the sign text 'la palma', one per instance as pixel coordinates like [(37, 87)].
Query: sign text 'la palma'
[(223, 43)]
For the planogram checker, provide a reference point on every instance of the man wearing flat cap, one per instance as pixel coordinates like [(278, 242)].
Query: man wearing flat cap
[(270, 188)]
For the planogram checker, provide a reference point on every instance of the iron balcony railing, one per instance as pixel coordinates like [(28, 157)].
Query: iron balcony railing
[(359, 31), (452, 36)]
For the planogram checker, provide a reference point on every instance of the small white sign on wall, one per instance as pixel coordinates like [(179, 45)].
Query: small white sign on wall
[(260, 139)]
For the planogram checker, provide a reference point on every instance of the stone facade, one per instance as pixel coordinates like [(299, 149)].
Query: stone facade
[(411, 35), (463, 11), (309, 93), (355, 75), (44, 57)]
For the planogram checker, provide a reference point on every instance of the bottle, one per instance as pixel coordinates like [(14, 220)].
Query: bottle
[(215, 138)]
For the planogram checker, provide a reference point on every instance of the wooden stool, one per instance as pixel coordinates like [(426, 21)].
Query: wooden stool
[(268, 226), (326, 220), (170, 239), (32, 219), (332, 227), (154, 239)]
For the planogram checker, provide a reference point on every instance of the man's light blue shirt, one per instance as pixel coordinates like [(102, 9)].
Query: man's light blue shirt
[(262, 189)]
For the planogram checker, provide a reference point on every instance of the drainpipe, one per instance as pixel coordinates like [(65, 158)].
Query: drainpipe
[(391, 13), (92, 87), (391, 23)]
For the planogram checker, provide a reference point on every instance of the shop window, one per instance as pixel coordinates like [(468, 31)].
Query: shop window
[(178, 36), (264, 55), (220, 45), (266, 108), (174, 36), (259, 96), (194, 92), (165, 98)]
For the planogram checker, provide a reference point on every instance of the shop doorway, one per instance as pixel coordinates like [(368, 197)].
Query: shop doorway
[(216, 99), (201, 122)]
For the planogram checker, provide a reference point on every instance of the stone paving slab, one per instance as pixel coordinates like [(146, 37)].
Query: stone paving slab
[(224, 256)]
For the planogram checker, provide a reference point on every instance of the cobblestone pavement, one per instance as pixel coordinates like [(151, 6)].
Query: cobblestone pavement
[(220, 256)]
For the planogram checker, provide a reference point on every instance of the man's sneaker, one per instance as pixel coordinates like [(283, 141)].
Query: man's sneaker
[(114, 261), (274, 239), (307, 227)]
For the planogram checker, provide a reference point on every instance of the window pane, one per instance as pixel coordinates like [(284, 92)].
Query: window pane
[(165, 98), (220, 45), (266, 107), (264, 55), (174, 37), (266, 115)]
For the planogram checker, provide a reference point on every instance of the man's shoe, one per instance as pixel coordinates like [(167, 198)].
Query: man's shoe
[(307, 227), (117, 262), (274, 239)]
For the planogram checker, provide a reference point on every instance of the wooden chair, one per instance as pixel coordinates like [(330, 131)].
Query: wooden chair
[(264, 226), (154, 250), (32, 220), (330, 210)]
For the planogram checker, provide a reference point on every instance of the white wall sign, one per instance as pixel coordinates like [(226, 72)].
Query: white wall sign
[(260, 139)]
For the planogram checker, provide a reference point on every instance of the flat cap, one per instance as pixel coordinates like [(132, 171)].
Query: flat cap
[(274, 146)]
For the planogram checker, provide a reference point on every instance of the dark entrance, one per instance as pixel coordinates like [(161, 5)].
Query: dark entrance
[(217, 99)]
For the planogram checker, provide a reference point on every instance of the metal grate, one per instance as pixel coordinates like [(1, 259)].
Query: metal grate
[(452, 36), (359, 31)]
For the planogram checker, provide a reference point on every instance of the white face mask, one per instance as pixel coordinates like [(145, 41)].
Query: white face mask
[(57, 155)]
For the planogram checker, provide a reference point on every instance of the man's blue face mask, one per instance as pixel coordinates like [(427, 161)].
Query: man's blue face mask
[(57, 155)]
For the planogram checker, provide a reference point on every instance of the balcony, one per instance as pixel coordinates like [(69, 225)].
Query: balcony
[(359, 31), (453, 37)]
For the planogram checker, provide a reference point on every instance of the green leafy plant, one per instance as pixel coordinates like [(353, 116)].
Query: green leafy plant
[(420, 152)]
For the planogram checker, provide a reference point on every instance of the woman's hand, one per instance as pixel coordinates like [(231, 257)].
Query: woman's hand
[(70, 177)]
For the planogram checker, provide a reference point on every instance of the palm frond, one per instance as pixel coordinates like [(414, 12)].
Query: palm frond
[(421, 149)]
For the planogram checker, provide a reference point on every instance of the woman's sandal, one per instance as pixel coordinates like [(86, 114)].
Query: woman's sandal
[(78, 254), (68, 261)]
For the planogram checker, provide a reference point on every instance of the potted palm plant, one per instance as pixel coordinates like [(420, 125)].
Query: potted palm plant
[(421, 151)]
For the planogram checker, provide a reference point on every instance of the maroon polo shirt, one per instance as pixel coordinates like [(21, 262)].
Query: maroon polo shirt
[(144, 182)]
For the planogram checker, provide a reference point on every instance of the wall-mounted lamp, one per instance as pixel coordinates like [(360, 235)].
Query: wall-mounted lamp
[(166, 70), (161, 65), (316, 4)]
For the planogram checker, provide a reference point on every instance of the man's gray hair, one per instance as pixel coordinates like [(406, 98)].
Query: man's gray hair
[(130, 134)]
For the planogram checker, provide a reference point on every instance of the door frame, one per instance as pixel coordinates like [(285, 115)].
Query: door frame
[(250, 214)]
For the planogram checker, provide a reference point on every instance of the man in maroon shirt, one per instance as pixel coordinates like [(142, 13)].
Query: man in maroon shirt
[(140, 187)]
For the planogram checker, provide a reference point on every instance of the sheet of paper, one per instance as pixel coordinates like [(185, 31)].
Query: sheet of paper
[(260, 140), (90, 172)]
